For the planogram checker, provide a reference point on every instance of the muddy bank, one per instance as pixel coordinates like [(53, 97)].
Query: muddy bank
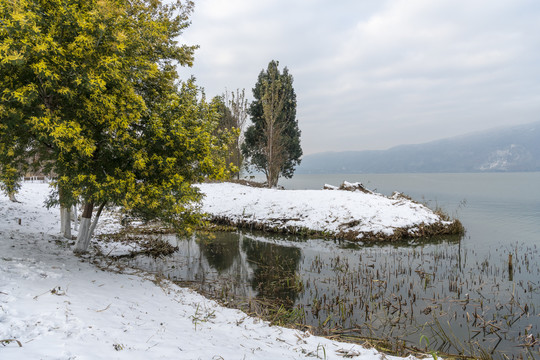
[(349, 212)]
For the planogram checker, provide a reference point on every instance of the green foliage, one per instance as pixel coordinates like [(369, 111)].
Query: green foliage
[(287, 150), (9, 179), (91, 87)]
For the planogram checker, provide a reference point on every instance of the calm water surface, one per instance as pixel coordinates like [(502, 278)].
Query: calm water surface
[(459, 293), (496, 208)]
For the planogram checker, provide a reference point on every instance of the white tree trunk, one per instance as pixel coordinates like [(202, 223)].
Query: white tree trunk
[(87, 227), (62, 219), (66, 224), (75, 218), (12, 197), (83, 239), (93, 226)]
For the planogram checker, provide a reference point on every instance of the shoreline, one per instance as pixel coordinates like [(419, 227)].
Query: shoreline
[(349, 212)]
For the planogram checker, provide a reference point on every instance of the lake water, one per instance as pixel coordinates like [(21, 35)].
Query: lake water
[(450, 294), (495, 208)]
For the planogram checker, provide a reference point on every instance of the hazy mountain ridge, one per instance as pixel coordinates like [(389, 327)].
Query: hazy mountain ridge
[(515, 148)]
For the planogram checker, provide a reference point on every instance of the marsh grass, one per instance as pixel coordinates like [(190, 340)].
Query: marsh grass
[(426, 231), (387, 296), (150, 245)]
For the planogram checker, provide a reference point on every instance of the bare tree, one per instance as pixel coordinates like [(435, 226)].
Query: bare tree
[(238, 106)]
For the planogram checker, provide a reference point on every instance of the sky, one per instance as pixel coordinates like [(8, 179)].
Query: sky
[(373, 74)]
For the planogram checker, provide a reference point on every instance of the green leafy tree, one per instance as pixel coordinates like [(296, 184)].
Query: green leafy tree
[(272, 142), (94, 85), (13, 162)]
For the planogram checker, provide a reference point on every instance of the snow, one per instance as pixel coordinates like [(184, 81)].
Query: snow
[(505, 159), (332, 211), (60, 306)]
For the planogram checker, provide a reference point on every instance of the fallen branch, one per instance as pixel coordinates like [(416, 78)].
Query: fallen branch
[(5, 342), (104, 309)]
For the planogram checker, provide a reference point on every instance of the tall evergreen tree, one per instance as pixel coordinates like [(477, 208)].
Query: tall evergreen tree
[(272, 142)]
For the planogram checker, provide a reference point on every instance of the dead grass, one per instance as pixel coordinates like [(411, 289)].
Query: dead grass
[(150, 245), (401, 234)]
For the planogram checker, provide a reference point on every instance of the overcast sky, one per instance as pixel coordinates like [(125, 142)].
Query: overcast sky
[(372, 74)]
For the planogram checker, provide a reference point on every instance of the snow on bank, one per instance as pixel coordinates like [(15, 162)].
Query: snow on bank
[(347, 214), (59, 306)]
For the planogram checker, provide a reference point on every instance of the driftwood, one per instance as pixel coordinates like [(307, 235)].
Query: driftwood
[(347, 186)]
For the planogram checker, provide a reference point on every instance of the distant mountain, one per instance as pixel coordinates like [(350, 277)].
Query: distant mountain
[(507, 149)]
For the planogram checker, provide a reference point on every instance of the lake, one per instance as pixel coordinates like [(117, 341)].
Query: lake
[(456, 295)]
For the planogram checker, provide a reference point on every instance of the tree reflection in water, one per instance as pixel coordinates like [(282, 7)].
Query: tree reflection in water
[(274, 270), (221, 251)]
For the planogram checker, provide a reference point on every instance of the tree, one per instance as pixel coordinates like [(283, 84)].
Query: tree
[(238, 106), (272, 142), (11, 165), (226, 127), (17, 147), (233, 107), (94, 86)]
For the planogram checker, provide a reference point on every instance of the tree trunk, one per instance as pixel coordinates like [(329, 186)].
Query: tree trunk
[(66, 222), (12, 197), (87, 227), (272, 102), (94, 223), (75, 217), (62, 219), (83, 239)]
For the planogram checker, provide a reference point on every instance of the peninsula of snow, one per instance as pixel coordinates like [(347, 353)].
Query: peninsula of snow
[(347, 212)]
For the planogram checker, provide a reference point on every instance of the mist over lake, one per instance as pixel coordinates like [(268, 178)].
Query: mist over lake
[(506, 149)]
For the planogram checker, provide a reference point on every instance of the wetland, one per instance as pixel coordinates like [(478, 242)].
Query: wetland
[(476, 295)]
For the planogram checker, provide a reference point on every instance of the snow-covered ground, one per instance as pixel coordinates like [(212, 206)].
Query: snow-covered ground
[(346, 214), (59, 306)]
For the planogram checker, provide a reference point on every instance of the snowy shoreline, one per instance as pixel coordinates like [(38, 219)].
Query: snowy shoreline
[(349, 212), (60, 306)]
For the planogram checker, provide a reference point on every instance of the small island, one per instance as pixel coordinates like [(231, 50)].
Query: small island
[(348, 212)]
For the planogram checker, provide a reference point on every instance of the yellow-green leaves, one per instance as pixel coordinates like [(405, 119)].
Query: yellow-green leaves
[(89, 86), (14, 58), (22, 95), (43, 71)]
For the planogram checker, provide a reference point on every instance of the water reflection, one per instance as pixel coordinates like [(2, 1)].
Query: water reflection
[(451, 294), (221, 252), (275, 269)]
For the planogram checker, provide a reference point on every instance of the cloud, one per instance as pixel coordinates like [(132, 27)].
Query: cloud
[(373, 74)]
